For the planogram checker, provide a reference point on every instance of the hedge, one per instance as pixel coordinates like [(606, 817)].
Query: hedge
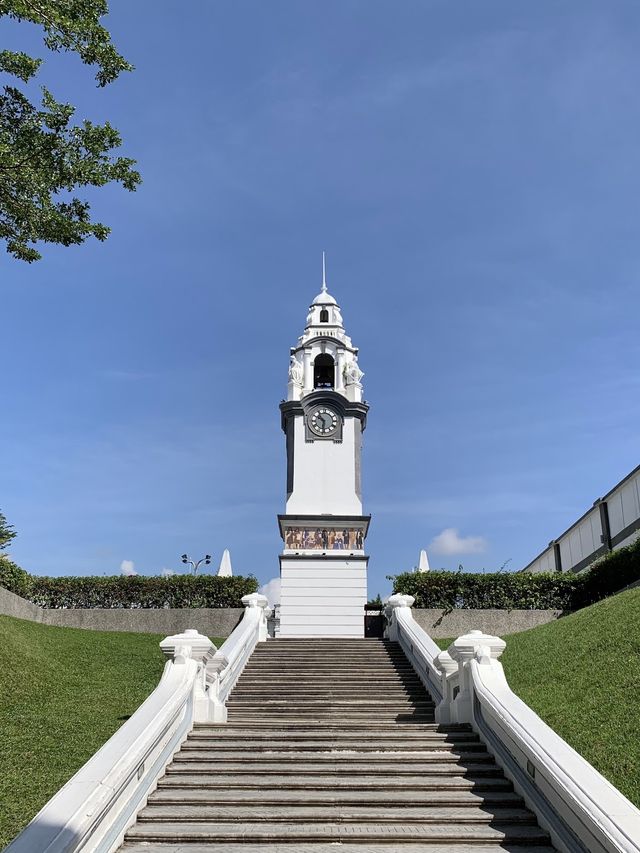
[(136, 591), (14, 578), (523, 591), (500, 590), (609, 575)]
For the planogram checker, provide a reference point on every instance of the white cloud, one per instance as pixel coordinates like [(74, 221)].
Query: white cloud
[(450, 542), (272, 591), (127, 567), (167, 573)]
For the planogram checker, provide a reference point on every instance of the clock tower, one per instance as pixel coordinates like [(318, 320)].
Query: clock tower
[(323, 566)]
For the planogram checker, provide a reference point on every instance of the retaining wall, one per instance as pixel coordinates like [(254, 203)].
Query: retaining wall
[(220, 622), (210, 621), (496, 622)]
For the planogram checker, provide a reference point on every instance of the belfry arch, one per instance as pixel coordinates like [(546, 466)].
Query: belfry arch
[(324, 371)]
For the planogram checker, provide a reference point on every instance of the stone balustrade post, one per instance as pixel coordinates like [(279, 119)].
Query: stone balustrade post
[(447, 667), (393, 603), (259, 601), (190, 644), (462, 651)]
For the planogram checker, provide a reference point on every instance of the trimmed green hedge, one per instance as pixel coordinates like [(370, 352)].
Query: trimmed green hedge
[(14, 578), (523, 591), (137, 591), (453, 590), (609, 575)]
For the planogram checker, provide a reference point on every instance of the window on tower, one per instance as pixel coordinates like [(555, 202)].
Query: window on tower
[(324, 371), (324, 316)]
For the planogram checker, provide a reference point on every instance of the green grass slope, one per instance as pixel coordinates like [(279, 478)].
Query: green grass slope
[(581, 674), (63, 693)]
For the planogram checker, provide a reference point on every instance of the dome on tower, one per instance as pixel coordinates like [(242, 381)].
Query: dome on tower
[(324, 297)]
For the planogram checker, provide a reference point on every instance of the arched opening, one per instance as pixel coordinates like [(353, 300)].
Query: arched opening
[(323, 371), (324, 316)]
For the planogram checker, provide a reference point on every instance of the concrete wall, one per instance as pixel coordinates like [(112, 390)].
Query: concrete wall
[(13, 605), (497, 622), (612, 522), (210, 621)]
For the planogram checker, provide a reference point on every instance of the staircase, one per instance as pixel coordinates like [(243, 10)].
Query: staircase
[(333, 742)]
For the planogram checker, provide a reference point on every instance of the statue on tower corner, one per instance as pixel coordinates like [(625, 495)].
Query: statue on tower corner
[(295, 371), (352, 373)]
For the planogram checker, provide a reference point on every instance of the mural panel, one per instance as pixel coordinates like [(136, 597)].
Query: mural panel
[(323, 539)]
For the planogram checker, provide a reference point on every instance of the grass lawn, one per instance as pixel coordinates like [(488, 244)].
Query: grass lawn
[(63, 693), (581, 674)]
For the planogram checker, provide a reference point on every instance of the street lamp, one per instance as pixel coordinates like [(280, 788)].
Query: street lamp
[(195, 566)]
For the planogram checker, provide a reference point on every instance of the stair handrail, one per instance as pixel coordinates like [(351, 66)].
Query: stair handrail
[(430, 664), (582, 811), (93, 810), (225, 667), (597, 816)]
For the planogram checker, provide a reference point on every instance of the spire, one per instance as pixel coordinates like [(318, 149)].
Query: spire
[(423, 565), (225, 570), (324, 274)]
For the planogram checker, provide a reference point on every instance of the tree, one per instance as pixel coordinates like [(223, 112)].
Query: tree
[(44, 158), (7, 533)]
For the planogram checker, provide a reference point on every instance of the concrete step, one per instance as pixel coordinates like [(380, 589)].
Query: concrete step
[(320, 847), (339, 720), (248, 814), (331, 783), (340, 758), (378, 799), (312, 686), (397, 694), (366, 701), (308, 727), (345, 769), (383, 682), (312, 739), (269, 833), (283, 747)]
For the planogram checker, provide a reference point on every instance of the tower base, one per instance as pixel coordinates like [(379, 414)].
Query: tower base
[(322, 596)]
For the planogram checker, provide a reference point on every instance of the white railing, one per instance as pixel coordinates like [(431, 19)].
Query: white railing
[(581, 810), (225, 667), (93, 810)]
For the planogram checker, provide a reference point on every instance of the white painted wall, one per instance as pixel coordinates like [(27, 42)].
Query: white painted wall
[(320, 598), (584, 539), (624, 505), (324, 478)]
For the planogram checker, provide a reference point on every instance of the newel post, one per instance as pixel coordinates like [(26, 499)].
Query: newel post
[(255, 600), (463, 650), (447, 667), (190, 644), (393, 603)]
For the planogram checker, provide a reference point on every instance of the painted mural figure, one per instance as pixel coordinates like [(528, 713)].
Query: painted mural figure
[(324, 538)]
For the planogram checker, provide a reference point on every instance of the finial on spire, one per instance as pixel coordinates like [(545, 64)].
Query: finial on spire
[(324, 274)]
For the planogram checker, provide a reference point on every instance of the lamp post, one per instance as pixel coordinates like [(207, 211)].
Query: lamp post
[(195, 566)]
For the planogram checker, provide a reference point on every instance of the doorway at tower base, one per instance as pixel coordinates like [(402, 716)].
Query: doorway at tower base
[(322, 596)]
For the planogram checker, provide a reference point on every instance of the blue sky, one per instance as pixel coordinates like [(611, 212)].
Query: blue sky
[(472, 170)]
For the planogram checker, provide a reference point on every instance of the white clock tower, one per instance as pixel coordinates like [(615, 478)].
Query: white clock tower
[(323, 566)]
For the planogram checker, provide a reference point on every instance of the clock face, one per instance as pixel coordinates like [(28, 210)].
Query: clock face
[(323, 421)]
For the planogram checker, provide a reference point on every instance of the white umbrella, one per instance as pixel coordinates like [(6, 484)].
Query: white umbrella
[(225, 570)]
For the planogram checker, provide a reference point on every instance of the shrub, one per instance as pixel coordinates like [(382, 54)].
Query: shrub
[(15, 579), (139, 591), (500, 590), (609, 575)]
